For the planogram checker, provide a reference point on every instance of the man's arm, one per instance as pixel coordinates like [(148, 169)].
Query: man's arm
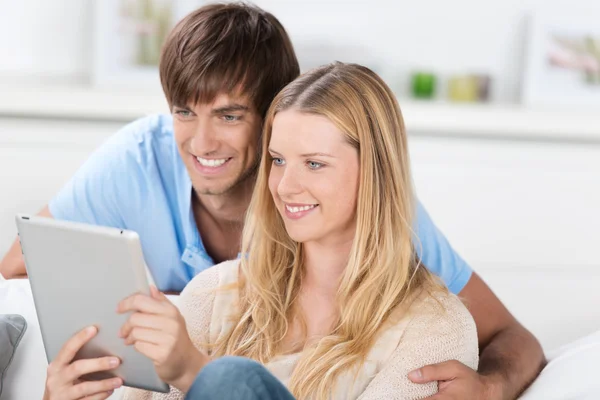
[(12, 265), (510, 356)]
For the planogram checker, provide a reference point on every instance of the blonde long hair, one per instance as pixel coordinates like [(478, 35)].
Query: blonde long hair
[(383, 272)]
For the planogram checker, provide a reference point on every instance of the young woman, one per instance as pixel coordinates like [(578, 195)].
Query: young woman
[(328, 299)]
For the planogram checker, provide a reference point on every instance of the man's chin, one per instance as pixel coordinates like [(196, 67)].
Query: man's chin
[(224, 186), (214, 190), (211, 191)]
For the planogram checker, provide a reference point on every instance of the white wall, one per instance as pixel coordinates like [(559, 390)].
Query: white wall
[(42, 38)]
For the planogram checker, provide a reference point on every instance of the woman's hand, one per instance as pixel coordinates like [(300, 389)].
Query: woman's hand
[(157, 329), (63, 380)]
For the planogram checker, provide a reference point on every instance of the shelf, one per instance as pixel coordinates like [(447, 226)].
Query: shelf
[(432, 118), (502, 121), (79, 102)]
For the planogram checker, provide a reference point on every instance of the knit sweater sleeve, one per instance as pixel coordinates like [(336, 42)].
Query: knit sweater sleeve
[(441, 329), (196, 304)]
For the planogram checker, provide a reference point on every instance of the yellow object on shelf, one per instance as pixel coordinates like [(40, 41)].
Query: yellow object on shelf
[(463, 88)]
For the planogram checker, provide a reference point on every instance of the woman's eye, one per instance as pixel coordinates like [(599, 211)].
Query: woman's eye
[(314, 165), (277, 161)]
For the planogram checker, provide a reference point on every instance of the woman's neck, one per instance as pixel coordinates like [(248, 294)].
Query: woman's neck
[(323, 269), (324, 265)]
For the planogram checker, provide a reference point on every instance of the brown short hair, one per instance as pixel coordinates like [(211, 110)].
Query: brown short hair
[(221, 48)]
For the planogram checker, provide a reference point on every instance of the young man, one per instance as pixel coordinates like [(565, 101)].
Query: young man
[(183, 182)]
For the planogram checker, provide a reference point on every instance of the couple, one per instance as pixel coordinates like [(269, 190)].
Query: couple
[(330, 295)]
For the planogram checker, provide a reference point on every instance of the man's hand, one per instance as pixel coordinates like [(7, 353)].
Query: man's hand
[(456, 382), (12, 266), (157, 329)]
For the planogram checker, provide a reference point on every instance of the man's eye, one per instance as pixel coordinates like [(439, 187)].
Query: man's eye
[(183, 113), (230, 118)]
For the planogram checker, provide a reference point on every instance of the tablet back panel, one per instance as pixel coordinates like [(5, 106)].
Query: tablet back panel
[(78, 275)]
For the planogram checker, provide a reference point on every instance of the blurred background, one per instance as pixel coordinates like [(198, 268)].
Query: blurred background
[(501, 100)]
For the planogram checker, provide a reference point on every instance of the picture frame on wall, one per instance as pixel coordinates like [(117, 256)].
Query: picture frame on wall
[(127, 39), (562, 63)]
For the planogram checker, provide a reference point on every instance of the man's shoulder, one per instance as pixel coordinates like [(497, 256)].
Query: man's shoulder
[(148, 141), (142, 133)]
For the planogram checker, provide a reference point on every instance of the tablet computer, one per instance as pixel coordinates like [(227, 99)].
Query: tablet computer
[(78, 274)]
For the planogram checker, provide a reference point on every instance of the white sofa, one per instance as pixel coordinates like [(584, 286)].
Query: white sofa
[(570, 374)]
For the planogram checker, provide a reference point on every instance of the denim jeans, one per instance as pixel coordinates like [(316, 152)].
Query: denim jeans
[(237, 378)]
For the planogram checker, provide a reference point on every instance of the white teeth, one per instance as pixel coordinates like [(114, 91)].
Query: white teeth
[(298, 209), (211, 163)]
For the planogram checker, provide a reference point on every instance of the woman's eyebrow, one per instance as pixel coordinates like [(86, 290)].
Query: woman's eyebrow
[(317, 154), (306, 154)]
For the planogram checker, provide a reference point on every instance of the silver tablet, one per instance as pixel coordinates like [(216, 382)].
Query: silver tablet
[(79, 273)]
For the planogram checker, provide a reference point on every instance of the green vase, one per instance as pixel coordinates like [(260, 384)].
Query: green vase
[(423, 85)]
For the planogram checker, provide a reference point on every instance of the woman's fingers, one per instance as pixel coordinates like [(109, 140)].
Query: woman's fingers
[(145, 304), (87, 366), (156, 353), (69, 350), (93, 388), (63, 374), (155, 293), (142, 320), (151, 336), (99, 396)]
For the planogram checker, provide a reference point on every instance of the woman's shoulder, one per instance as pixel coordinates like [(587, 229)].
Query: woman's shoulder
[(437, 327), (202, 294), (212, 278), (440, 322), (440, 310), (440, 301)]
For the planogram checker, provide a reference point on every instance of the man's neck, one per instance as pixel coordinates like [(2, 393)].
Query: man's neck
[(220, 221), (226, 209)]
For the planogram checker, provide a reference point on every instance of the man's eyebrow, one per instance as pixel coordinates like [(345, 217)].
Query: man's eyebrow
[(230, 108)]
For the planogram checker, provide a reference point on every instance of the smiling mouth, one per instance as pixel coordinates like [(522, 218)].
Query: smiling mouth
[(215, 162), (294, 210)]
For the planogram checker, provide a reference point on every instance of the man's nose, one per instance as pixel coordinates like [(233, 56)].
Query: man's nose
[(205, 140)]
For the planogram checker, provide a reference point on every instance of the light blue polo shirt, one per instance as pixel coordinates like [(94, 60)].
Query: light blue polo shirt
[(137, 181)]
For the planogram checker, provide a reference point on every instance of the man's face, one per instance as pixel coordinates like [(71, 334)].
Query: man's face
[(218, 142)]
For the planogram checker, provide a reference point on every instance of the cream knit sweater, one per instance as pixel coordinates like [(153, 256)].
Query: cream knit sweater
[(428, 334)]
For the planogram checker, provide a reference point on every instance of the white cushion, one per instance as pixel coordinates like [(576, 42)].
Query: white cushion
[(571, 373), (27, 374)]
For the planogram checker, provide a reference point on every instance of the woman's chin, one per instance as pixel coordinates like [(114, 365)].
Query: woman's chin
[(300, 235)]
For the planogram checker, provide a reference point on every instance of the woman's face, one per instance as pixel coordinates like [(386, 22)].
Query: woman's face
[(314, 177)]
